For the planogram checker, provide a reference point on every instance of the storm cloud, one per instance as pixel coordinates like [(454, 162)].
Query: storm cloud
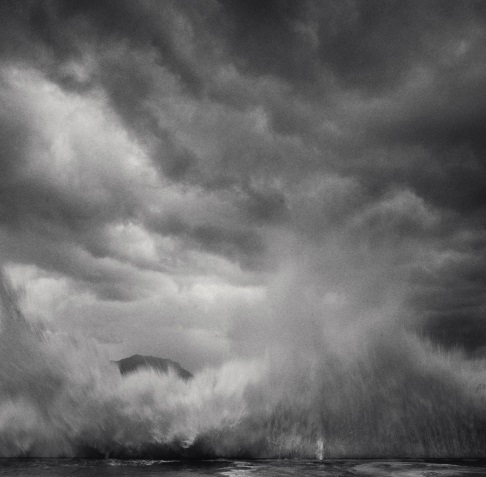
[(188, 177)]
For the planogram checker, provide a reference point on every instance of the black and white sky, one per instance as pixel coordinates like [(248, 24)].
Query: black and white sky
[(194, 179)]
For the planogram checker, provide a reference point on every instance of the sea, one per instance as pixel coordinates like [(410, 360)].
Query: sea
[(242, 468)]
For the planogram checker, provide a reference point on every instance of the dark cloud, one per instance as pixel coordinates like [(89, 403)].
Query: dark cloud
[(65, 29), (266, 206), (240, 244), (370, 46), (181, 139), (263, 38)]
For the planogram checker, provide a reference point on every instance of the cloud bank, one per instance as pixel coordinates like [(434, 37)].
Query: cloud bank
[(198, 180)]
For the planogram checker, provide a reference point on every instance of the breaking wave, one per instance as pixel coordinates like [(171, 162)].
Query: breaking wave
[(396, 395)]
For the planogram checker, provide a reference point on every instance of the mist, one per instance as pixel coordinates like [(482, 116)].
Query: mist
[(326, 368)]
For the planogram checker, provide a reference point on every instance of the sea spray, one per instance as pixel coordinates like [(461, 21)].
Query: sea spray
[(59, 397), (396, 395)]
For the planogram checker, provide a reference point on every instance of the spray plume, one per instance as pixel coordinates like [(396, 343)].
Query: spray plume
[(395, 396)]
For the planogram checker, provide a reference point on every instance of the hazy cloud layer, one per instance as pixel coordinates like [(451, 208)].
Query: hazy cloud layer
[(186, 178)]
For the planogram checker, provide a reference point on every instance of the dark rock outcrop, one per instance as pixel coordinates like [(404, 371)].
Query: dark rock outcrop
[(137, 361)]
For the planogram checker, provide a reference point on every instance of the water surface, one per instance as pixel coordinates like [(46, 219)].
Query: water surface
[(240, 468)]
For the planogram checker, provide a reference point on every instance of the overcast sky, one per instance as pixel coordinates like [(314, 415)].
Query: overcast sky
[(194, 179)]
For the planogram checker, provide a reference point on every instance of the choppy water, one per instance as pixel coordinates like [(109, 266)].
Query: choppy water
[(227, 468)]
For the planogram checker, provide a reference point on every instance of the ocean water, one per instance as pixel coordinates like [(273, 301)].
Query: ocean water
[(240, 468)]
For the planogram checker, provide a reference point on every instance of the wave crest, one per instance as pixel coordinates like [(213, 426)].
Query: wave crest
[(395, 396)]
